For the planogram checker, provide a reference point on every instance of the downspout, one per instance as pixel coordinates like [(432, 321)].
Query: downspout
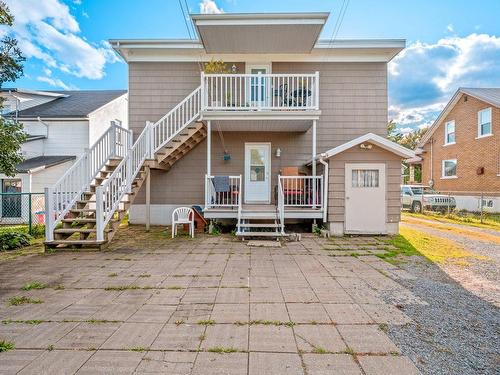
[(432, 161), (44, 124), (325, 186)]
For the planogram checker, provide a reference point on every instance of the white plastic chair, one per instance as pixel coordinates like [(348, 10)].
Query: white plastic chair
[(183, 215)]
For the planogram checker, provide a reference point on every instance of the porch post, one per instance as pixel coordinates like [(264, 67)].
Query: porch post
[(314, 162), (209, 148), (148, 198)]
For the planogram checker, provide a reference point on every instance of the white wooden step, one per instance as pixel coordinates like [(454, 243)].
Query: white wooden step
[(259, 225), (259, 234)]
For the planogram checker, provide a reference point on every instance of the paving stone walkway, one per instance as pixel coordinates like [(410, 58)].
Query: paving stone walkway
[(212, 305)]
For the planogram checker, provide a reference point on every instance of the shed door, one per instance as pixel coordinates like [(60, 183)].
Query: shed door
[(365, 205)]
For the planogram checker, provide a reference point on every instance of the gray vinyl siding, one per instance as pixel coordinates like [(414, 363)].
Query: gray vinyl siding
[(353, 101), (336, 176)]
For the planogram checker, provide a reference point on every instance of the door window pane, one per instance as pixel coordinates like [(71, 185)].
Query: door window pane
[(257, 173), (365, 178), (257, 85), (256, 157), (257, 165)]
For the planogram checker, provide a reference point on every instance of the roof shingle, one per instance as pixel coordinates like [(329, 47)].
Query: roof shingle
[(75, 104)]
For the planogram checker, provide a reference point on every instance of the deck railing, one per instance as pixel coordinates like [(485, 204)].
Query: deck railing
[(266, 92), (281, 208), (302, 191), (69, 188), (222, 193)]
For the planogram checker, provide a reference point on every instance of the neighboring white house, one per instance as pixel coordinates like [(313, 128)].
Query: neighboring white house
[(60, 126)]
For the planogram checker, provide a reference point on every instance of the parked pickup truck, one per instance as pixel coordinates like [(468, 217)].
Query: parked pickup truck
[(411, 199)]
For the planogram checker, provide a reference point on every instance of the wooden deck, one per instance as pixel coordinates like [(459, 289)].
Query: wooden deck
[(264, 210)]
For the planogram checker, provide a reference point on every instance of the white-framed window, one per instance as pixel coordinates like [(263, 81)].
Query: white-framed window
[(449, 168), (449, 133), (484, 123)]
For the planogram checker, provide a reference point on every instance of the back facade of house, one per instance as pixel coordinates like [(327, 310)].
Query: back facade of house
[(460, 153), (260, 122)]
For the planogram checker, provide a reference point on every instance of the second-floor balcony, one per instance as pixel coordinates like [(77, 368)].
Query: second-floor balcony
[(234, 94)]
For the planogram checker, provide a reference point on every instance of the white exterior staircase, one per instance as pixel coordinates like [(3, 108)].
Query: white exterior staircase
[(87, 204)]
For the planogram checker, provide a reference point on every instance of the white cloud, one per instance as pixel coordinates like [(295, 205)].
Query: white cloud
[(210, 7), (56, 83), (450, 28), (424, 76), (46, 30)]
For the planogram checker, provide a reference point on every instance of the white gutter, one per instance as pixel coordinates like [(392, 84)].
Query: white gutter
[(44, 124), (325, 187)]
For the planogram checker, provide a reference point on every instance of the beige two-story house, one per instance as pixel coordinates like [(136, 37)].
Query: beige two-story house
[(292, 128)]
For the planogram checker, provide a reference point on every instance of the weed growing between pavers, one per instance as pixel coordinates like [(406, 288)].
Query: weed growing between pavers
[(320, 350), (6, 345), (265, 323), (384, 327), (22, 300), (32, 321), (222, 350), (59, 287), (114, 274), (208, 322), (348, 351), (122, 288), (139, 349), (33, 285)]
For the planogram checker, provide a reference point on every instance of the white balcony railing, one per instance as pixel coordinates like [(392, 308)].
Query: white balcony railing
[(302, 191), (223, 191), (264, 92)]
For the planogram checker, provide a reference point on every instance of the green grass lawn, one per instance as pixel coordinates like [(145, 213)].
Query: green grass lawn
[(435, 249), (490, 221)]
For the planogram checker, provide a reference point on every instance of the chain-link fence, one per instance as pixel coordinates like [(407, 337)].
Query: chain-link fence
[(481, 206), (23, 209)]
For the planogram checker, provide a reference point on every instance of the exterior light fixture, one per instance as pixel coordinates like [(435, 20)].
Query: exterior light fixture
[(278, 152)]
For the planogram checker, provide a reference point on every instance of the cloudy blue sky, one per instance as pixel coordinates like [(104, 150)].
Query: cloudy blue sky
[(450, 43)]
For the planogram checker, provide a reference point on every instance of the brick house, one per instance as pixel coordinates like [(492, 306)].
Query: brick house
[(460, 153)]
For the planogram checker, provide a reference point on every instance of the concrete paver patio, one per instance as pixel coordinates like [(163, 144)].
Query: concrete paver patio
[(211, 305)]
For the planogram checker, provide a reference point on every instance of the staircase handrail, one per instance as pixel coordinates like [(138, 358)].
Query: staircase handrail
[(153, 137), (176, 119), (69, 188)]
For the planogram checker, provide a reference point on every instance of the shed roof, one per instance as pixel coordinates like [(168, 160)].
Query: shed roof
[(43, 162), (376, 140)]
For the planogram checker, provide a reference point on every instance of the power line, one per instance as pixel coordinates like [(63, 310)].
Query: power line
[(339, 21)]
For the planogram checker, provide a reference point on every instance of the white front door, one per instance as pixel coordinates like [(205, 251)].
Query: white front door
[(365, 206), (257, 173)]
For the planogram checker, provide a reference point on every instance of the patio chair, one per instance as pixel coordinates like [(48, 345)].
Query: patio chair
[(183, 215)]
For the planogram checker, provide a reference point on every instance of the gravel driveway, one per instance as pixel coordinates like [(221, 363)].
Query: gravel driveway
[(458, 331)]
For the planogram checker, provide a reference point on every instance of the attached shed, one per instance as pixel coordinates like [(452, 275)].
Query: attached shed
[(364, 186)]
